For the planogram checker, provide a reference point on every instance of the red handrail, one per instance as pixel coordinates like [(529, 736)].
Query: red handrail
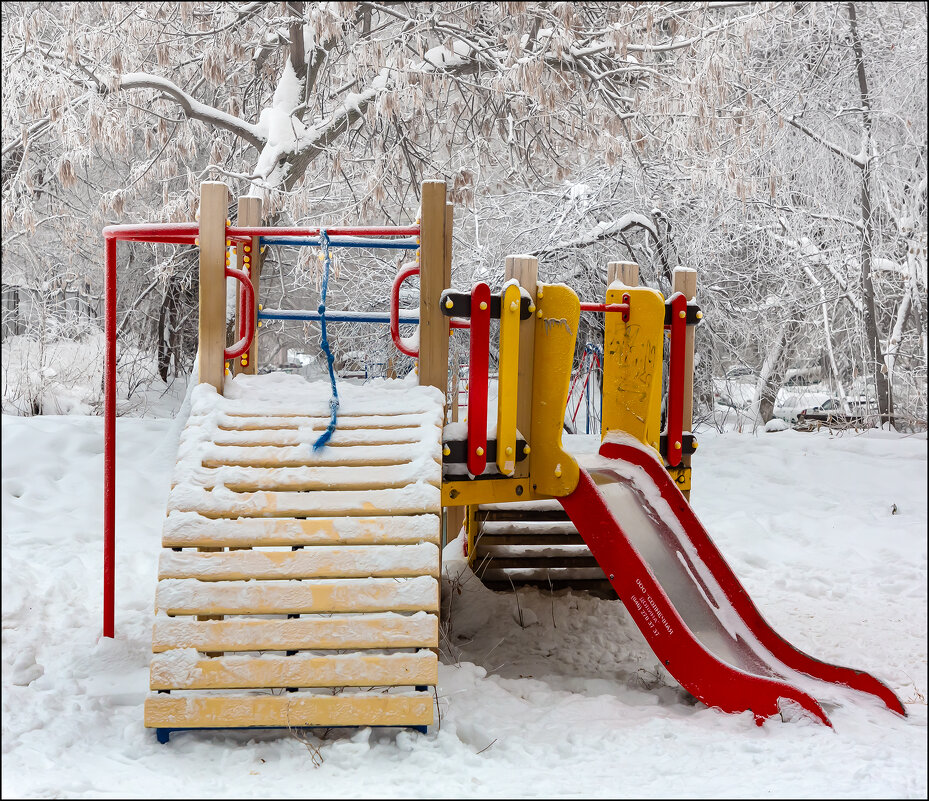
[(405, 272), (248, 313), (164, 233)]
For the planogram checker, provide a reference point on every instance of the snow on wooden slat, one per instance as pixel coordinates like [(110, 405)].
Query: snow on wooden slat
[(193, 597), (372, 406), (213, 455), (189, 529), (379, 630), (241, 422), (186, 669), (305, 436), (301, 479), (292, 709), (412, 499), (360, 561)]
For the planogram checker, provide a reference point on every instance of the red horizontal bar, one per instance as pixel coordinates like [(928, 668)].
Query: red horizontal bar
[(393, 230), (605, 307), (158, 240), (153, 229)]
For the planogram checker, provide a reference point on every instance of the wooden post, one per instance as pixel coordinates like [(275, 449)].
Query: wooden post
[(685, 280), (524, 269), (435, 276), (625, 271), (249, 215), (214, 202)]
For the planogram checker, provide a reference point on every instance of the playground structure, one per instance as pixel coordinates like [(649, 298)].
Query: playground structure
[(299, 582)]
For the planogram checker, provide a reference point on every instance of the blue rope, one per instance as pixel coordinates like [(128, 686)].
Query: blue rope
[(334, 400)]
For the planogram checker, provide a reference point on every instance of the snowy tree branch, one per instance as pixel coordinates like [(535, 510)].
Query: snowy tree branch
[(193, 109)]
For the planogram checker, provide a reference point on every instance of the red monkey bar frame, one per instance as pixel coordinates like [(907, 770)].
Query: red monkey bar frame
[(171, 234)]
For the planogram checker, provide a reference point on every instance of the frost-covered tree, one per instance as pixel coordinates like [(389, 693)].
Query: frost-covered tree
[(702, 134)]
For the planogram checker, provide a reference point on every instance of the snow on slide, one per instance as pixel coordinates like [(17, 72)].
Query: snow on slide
[(686, 600)]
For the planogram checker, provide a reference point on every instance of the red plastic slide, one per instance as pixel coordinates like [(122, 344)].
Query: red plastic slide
[(686, 600)]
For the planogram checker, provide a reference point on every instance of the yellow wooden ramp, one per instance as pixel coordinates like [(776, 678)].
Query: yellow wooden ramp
[(299, 587)]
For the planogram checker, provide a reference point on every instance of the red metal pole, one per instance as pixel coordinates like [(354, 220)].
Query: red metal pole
[(675, 423), (605, 307), (109, 444), (478, 376)]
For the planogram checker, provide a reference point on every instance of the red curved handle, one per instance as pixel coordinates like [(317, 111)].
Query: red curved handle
[(248, 313), (406, 272)]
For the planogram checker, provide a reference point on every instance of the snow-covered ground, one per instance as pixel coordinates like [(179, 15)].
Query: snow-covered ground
[(827, 532)]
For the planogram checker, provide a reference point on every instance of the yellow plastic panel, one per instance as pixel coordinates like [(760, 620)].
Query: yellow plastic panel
[(552, 471), (492, 490), (507, 381), (632, 364)]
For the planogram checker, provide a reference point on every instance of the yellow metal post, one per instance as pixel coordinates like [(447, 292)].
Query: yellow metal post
[(508, 379)]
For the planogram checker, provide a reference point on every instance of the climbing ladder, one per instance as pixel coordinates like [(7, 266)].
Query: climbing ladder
[(300, 588)]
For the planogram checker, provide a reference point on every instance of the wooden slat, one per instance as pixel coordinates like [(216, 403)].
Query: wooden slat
[(526, 515), (229, 422), (566, 575), (187, 529), (529, 538), (291, 709), (389, 436), (598, 586), (300, 455), (303, 479), (522, 528), (410, 500), (553, 562), (386, 630), (334, 562), (173, 671), (192, 597), (311, 399)]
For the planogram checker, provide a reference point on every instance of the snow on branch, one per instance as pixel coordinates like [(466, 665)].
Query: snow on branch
[(194, 109), (602, 230)]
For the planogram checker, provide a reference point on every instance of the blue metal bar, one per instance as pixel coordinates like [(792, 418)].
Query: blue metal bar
[(306, 315), (388, 244)]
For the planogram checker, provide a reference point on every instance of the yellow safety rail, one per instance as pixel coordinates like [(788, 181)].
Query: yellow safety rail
[(508, 373)]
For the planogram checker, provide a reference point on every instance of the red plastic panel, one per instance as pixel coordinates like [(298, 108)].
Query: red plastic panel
[(477, 379)]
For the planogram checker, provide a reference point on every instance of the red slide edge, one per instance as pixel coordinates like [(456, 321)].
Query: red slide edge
[(741, 601), (714, 682)]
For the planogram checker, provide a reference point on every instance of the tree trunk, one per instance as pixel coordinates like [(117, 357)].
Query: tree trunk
[(774, 368), (875, 347)]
